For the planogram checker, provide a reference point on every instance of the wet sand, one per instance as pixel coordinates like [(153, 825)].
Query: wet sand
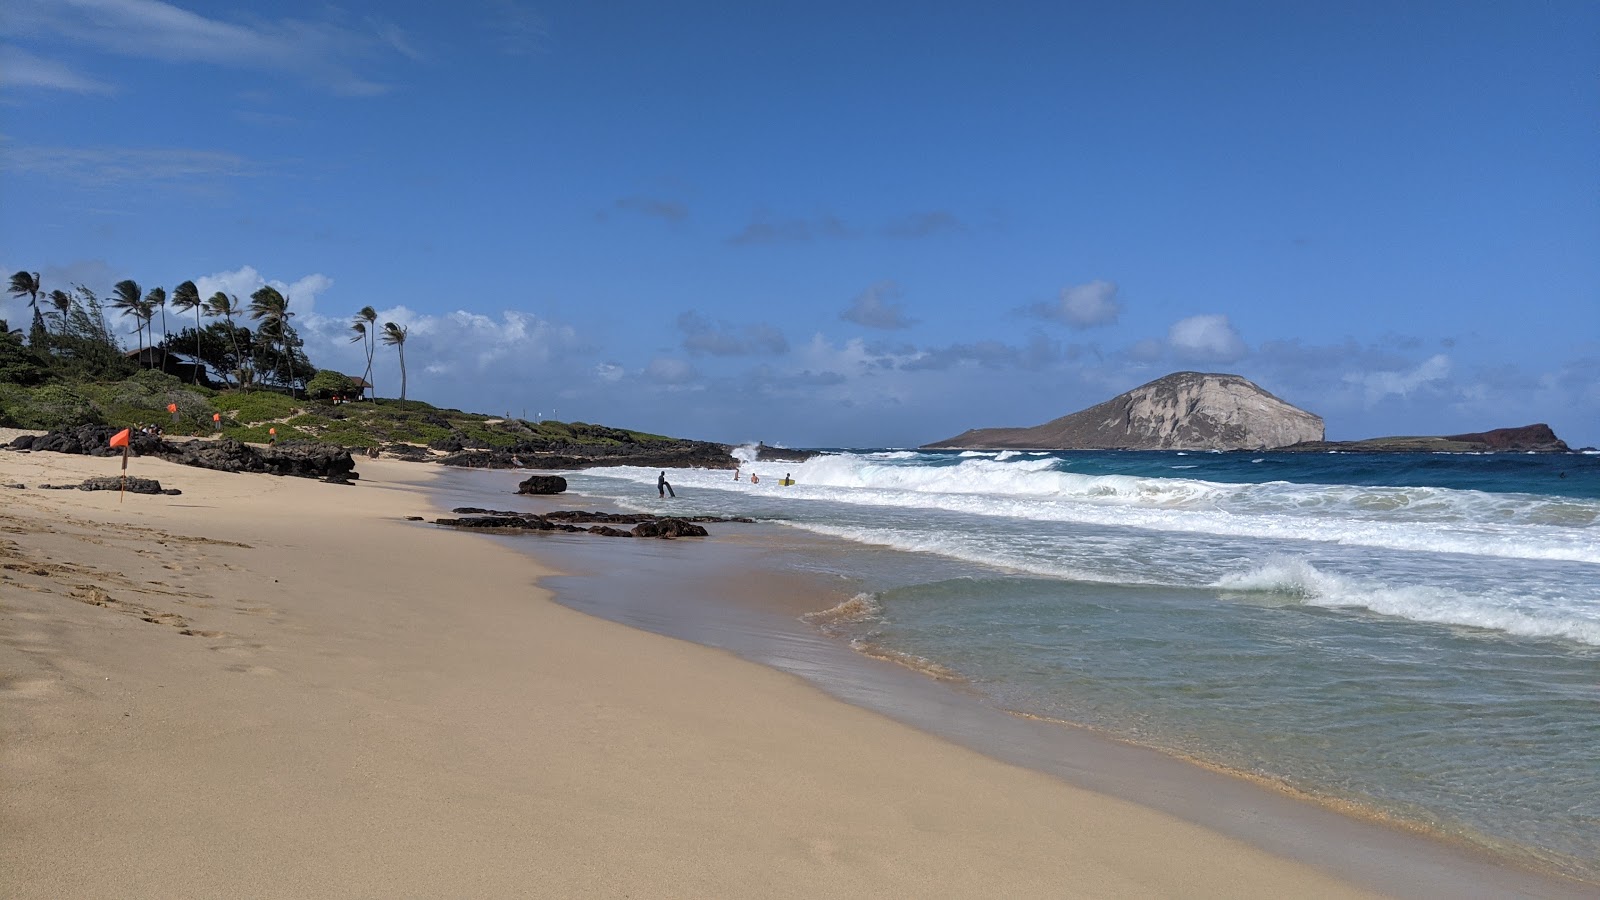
[(272, 687)]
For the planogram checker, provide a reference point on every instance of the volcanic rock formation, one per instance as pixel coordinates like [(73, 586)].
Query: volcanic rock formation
[(1182, 411)]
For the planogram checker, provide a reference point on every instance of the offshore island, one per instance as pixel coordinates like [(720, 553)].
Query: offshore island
[(1213, 411)]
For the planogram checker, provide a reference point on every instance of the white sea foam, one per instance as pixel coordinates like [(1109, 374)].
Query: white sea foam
[(998, 553), (1413, 519), (1494, 609)]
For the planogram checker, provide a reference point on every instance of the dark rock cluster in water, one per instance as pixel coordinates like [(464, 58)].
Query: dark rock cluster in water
[(542, 484), (571, 521), (304, 459)]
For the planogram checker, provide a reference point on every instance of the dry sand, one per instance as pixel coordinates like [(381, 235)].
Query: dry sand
[(272, 687)]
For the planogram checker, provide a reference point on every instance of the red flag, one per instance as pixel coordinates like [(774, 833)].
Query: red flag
[(172, 407), (120, 439)]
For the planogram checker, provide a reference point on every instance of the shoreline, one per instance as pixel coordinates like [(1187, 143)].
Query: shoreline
[(1342, 836), (283, 688)]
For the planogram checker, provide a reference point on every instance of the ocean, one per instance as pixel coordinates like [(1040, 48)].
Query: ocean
[(1415, 637)]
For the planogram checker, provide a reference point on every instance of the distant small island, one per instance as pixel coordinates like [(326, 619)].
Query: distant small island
[(1538, 438), (1217, 411)]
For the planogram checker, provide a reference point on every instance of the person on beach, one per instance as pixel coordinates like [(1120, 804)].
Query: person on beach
[(663, 487), (736, 475)]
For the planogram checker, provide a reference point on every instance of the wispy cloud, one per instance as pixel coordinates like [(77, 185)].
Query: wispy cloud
[(108, 166), (518, 30), (876, 307), (765, 230), (668, 210), (703, 337), (1081, 306), (924, 224), (21, 69), (321, 52), (1376, 386), (1038, 353)]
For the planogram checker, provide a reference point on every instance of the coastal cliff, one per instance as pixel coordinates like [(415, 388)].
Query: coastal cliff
[(1182, 411)]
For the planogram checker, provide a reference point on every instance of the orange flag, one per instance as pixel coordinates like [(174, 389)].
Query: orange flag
[(172, 407), (120, 439)]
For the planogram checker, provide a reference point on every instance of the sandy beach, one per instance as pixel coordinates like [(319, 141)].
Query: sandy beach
[(272, 687)]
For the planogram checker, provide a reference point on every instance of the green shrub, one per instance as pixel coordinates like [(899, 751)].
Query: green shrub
[(52, 406), (489, 434), (256, 406), (346, 435), (328, 383), (154, 381)]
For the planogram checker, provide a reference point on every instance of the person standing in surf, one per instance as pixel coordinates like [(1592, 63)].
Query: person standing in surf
[(663, 487)]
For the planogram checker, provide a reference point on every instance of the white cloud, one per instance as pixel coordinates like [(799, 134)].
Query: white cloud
[(876, 308), (1207, 339), (1082, 306), (318, 51), (1376, 386), (21, 69), (245, 280)]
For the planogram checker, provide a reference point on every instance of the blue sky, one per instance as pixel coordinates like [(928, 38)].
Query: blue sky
[(846, 224)]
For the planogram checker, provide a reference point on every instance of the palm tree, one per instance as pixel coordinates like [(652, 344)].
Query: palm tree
[(395, 336), (359, 326), (62, 301), (184, 298), (272, 308), (157, 298), (365, 326), (26, 283), (126, 297), (225, 305)]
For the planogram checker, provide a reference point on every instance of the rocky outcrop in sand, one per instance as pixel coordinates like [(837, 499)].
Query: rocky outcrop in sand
[(1182, 411), (304, 459)]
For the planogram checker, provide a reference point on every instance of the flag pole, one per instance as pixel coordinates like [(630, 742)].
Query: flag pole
[(123, 439)]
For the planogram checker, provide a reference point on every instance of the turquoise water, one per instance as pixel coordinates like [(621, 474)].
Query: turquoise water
[(1418, 635)]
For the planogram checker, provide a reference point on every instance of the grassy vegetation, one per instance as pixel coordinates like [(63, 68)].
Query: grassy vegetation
[(144, 397), (70, 369)]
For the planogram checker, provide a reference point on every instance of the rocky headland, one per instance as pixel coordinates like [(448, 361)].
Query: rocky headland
[(1181, 411)]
